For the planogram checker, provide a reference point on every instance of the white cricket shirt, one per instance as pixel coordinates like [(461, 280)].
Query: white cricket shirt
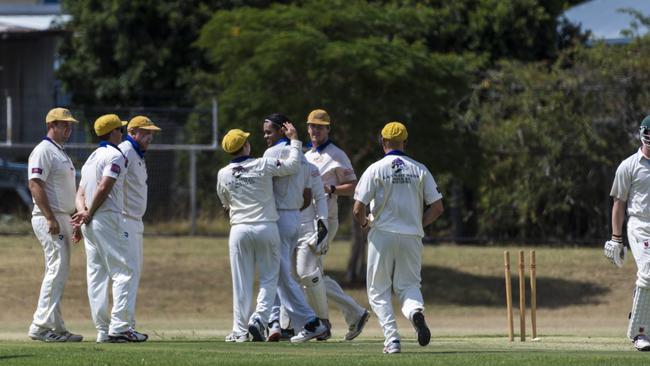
[(632, 184), (245, 186), (106, 161), (288, 189), (50, 163), (135, 183), (397, 188), (317, 209), (334, 167)]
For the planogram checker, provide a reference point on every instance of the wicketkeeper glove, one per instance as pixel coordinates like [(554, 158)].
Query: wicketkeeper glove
[(318, 241), (616, 252)]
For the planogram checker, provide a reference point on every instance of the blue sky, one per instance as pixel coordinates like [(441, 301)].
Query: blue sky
[(603, 19)]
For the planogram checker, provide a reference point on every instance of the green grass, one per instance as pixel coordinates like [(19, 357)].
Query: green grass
[(442, 351)]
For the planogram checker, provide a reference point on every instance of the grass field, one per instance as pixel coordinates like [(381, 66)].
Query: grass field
[(185, 306)]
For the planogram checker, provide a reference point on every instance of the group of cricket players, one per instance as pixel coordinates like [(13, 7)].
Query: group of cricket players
[(106, 209), (283, 213)]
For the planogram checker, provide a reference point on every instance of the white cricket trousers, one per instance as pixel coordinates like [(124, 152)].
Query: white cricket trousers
[(251, 246), (107, 251), (350, 309), (56, 249), (638, 235), (394, 261), (290, 295), (134, 229)]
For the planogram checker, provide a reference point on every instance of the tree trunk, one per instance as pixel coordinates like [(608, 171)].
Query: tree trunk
[(356, 271)]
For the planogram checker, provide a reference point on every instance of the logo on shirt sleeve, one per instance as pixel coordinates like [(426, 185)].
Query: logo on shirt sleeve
[(116, 168), (37, 171)]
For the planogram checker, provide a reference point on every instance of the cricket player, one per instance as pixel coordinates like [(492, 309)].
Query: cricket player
[(630, 191), (289, 199), (52, 183), (141, 131), (338, 179), (245, 188), (403, 199), (100, 203)]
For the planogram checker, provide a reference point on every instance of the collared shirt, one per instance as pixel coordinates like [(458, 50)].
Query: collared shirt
[(288, 189), (317, 209), (632, 184), (334, 167), (106, 161), (245, 186), (49, 163), (397, 188), (135, 184)]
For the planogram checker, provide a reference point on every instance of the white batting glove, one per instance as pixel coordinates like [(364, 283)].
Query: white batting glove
[(616, 252)]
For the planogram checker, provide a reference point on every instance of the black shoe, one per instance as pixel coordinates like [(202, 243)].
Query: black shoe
[(286, 334), (420, 325), (327, 334)]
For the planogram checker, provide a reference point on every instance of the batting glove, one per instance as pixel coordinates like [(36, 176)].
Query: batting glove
[(616, 252), (318, 241)]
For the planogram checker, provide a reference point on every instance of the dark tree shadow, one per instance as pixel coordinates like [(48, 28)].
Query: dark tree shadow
[(448, 286), (14, 356)]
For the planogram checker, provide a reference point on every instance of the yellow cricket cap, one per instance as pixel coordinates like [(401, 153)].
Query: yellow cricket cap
[(59, 114), (108, 123), (319, 117), (394, 131), (234, 140), (143, 123)]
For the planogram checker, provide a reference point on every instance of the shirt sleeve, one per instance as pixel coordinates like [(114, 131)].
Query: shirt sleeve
[(222, 193), (345, 172), (365, 189), (622, 182), (431, 191), (289, 166), (39, 164), (115, 166)]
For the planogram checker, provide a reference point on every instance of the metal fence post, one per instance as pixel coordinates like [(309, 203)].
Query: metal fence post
[(193, 192)]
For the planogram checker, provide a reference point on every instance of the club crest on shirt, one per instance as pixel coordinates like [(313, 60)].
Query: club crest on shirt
[(37, 171), (238, 171), (646, 244), (116, 168), (397, 165)]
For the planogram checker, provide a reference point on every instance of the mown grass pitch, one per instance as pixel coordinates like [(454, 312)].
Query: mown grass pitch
[(486, 350)]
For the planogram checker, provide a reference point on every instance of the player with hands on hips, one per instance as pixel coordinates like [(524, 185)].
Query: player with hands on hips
[(403, 199), (630, 193), (52, 184), (245, 189)]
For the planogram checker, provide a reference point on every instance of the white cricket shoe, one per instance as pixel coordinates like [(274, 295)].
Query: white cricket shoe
[(102, 337), (355, 329), (129, 335), (71, 337), (257, 330), (46, 335), (238, 338), (393, 347), (641, 343), (275, 332), (313, 329)]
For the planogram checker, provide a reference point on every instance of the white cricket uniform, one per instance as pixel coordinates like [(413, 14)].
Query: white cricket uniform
[(288, 193), (308, 263), (135, 205), (632, 185), (106, 242), (396, 187), (335, 168), (49, 163), (245, 188)]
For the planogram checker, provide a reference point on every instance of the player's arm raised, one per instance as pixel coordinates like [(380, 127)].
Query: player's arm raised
[(291, 165)]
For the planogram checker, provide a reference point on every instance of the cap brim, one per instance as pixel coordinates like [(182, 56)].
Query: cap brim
[(317, 122), (64, 120), (150, 128), (124, 123)]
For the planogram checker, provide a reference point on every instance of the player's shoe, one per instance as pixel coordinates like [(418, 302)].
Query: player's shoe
[(275, 332), (103, 337), (257, 330), (327, 334), (71, 337), (311, 330), (130, 335), (641, 343), (420, 325), (46, 335), (393, 347), (238, 338), (286, 334), (355, 329)]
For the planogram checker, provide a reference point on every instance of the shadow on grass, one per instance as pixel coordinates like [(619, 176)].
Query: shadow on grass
[(9, 357), (448, 286)]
